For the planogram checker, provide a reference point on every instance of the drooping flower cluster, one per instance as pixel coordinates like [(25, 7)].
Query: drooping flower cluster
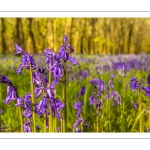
[(115, 96), (98, 89), (98, 86), (111, 82), (11, 90), (147, 89), (134, 84), (24, 102), (78, 105), (27, 60), (27, 127)]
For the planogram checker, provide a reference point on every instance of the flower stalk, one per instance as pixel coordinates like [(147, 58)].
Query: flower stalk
[(21, 120), (64, 98), (32, 93)]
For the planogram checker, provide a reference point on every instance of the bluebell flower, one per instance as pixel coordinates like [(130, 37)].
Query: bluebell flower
[(77, 122), (134, 84), (5, 80), (1, 111), (147, 90), (27, 127), (82, 90)]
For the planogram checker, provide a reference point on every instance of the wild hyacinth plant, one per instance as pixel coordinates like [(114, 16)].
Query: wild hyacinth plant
[(43, 99)]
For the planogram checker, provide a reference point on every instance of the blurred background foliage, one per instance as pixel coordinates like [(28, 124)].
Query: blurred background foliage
[(86, 35)]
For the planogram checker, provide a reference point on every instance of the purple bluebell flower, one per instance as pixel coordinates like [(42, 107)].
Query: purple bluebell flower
[(19, 69), (71, 78), (1, 111), (65, 39), (11, 95), (111, 82), (83, 74), (134, 105), (37, 128), (95, 82), (27, 60), (77, 122), (45, 80), (19, 101), (73, 61), (27, 96), (147, 90), (41, 70), (27, 127), (85, 125), (42, 105), (37, 78), (134, 84), (70, 47), (79, 113), (116, 96), (82, 90), (27, 102), (49, 92), (98, 104), (58, 107), (54, 82), (39, 91), (78, 104), (18, 49), (78, 131), (27, 113), (62, 54), (92, 100), (5, 80), (148, 130), (101, 86), (57, 72), (59, 104), (49, 53)]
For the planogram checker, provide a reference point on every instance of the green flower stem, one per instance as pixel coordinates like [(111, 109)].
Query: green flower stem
[(97, 125), (32, 93), (109, 106), (21, 120), (109, 110), (94, 119), (55, 123), (64, 98), (140, 109), (50, 120), (61, 126), (50, 116), (10, 118), (44, 124), (44, 118), (55, 119), (122, 104)]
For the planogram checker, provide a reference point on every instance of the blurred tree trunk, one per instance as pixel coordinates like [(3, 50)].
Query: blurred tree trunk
[(4, 46), (18, 26), (130, 33), (82, 35), (32, 35)]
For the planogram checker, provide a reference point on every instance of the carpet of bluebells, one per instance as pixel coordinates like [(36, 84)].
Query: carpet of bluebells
[(63, 92)]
